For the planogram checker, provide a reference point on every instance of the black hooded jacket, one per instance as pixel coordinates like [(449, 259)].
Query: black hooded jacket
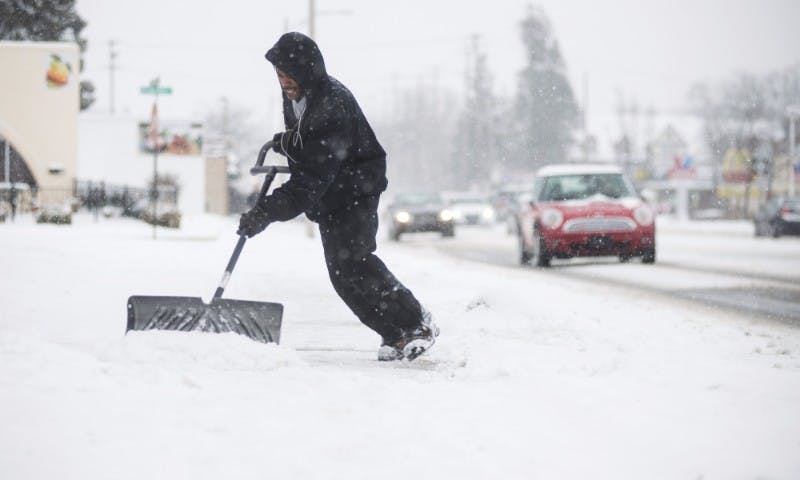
[(333, 154)]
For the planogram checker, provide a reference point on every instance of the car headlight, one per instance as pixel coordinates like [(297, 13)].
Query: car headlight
[(402, 217), (446, 215), (488, 213), (644, 215), (551, 218)]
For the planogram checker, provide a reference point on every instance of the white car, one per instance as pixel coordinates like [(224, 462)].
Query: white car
[(472, 210)]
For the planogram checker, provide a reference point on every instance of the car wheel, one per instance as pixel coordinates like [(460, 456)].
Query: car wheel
[(512, 228), (524, 255), (449, 232), (776, 230), (625, 257), (762, 229), (540, 256), (649, 256), (395, 236)]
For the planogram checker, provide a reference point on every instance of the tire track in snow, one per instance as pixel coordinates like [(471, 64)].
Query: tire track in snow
[(747, 293)]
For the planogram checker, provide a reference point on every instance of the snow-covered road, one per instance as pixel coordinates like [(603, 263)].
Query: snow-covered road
[(535, 375), (718, 264)]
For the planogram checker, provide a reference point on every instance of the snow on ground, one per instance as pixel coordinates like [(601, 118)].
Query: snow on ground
[(534, 376)]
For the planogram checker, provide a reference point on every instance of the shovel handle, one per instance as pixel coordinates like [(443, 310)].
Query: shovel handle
[(229, 269), (271, 172), (268, 168)]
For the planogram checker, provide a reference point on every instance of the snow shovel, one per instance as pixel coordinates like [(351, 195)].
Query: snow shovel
[(260, 321)]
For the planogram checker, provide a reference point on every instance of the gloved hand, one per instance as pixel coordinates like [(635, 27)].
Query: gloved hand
[(276, 142), (253, 222)]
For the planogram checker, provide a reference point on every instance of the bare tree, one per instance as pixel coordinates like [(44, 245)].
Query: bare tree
[(475, 142), (748, 114)]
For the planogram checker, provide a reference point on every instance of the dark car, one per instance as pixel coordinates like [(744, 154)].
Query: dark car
[(779, 216), (420, 212)]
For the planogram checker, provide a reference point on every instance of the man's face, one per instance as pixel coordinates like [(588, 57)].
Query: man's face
[(289, 86)]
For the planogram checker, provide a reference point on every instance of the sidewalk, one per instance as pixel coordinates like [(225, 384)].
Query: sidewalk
[(670, 224)]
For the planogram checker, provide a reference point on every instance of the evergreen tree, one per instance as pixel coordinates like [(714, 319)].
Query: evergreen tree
[(475, 141), (545, 109), (45, 21)]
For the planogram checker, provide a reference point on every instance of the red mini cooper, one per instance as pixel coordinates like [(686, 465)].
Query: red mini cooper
[(585, 210)]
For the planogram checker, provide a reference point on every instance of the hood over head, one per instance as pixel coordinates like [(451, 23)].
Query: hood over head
[(299, 57)]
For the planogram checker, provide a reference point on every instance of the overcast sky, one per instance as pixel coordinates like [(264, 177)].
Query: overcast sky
[(643, 51)]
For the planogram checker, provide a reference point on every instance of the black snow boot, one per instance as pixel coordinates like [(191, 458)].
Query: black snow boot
[(391, 350), (413, 343), (420, 339)]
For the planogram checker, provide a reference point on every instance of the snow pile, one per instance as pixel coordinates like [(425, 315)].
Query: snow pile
[(535, 375), (189, 351)]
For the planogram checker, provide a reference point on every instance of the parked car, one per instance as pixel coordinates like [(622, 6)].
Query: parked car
[(58, 214), (137, 208), (517, 203), (166, 215), (585, 210), (506, 201), (419, 212), (472, 209), (779, 216)]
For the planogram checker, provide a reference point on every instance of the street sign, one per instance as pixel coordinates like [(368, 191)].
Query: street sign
[(156, 89), (153, 90)]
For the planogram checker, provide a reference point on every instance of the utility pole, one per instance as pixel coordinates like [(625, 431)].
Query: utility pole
[(154, 136), (7, 162), (585, 109), (791, 157), (226, 132), (794, 112), (585, 103), (311, 19), (155, 89), (112, 55)]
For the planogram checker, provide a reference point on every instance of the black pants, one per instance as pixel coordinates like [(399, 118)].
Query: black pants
[(360, 278)]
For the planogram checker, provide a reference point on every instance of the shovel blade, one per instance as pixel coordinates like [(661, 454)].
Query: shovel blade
[(260, 321)]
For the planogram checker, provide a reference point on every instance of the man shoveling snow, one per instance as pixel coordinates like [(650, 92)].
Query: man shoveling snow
[(338, 172)]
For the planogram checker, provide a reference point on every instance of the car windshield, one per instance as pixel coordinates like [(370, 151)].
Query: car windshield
[(576, 187), (793, 204), (469, 201), (417, 199)]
